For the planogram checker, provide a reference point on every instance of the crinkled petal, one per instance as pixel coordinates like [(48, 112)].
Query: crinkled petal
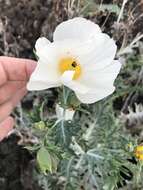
[(46, 51), (90, 98), (45, 75), (40, 85), (99, 53), (45, 72), (101, 83), (66, 79), (41, 43), (102, 78), (77, 28)]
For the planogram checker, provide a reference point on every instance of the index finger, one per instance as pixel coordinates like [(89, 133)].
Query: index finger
[(15, 69)]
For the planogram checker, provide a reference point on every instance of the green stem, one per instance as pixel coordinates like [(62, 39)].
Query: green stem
[(65, 98), (62, 127)]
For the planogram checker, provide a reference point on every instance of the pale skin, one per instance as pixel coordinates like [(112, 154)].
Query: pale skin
[(14, 74)]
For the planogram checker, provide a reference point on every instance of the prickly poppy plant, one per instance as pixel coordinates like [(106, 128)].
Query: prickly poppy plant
[(75, 146)]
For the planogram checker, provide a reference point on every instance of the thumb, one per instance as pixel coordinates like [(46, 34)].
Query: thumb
[(5, 127)]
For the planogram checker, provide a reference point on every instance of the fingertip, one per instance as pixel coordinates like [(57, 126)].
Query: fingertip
[(17, 68), (30, 67)]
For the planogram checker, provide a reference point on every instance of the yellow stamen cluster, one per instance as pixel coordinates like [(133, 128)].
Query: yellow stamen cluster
[(139, 152), (70, 64)]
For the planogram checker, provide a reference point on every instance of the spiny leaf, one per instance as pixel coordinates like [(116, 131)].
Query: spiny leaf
[(63, 134)]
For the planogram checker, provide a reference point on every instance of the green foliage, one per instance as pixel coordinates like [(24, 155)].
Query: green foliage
[(91, 7), (113, 8), (47, 161), (44, 160), (127, 80), (98, 155), (63, 133), (69, 99)]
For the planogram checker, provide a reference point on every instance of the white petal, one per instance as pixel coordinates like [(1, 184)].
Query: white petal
[(102, 78), (90, 98), (39, 85), (76, 28), (46, 51), (66, 79), (100, 52), (109, 73), (41, 43), (45, 76), (45, 72), (100, 83)]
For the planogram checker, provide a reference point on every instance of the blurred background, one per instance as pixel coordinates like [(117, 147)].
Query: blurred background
[(21, 23)]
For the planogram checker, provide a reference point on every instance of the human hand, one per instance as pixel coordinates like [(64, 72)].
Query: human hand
[(14, 74)]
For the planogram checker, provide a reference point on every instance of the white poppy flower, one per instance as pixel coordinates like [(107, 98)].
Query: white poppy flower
[(80, 57)]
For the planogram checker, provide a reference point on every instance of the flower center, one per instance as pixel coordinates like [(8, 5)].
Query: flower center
[(70, 64)]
